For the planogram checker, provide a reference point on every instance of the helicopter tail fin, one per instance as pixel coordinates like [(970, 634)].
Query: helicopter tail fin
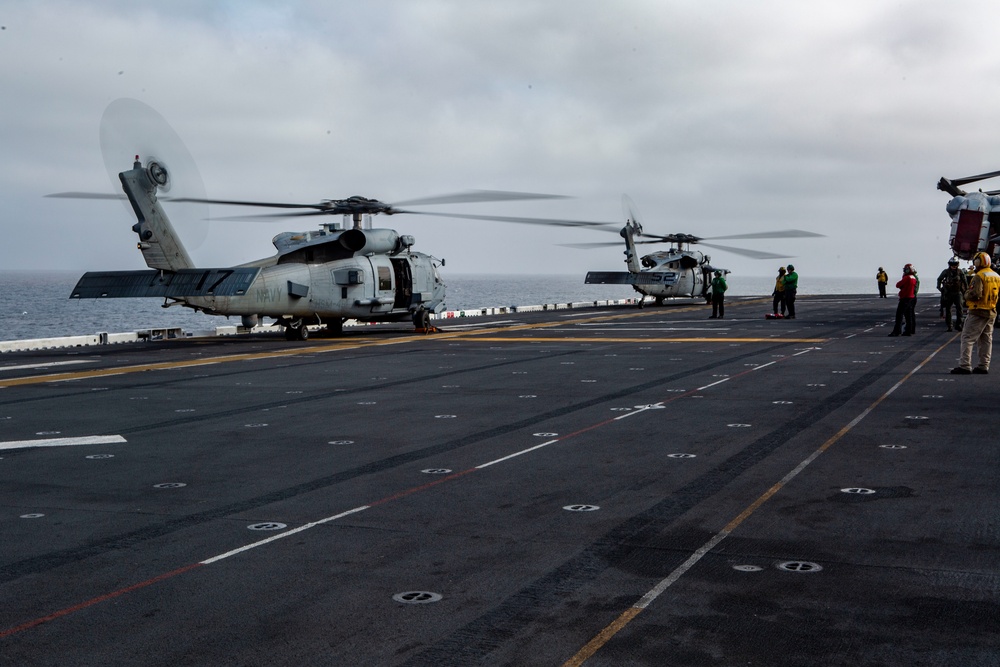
[(158, 241), (629, 231)]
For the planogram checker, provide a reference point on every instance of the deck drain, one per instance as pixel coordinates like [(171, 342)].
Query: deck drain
[(781, 402), (917, 417), (169, 485), (932, 396), (444, 416), (581, 508), (747, 568), (858, 491), (738, 425), (267, 525), (528, 396), (255, 425), (545, 435), (893, 446), (799, 566), (621, 409), (101, 456), (436, 471), (680, 456), (32, 516), (417, 597), (341, 442)]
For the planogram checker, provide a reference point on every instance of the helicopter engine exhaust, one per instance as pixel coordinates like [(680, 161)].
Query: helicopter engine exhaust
[(377, 241)]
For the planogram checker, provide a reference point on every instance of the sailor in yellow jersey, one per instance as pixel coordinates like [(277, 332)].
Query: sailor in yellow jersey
[(981, 298)]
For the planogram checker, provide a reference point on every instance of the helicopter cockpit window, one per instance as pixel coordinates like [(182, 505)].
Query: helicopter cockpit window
[(384, 278)]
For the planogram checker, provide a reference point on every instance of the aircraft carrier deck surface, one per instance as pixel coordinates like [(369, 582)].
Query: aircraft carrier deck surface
[(605, 486)]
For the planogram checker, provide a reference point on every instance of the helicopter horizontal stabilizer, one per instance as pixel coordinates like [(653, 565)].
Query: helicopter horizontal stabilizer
[(182, 283), (628, 278)]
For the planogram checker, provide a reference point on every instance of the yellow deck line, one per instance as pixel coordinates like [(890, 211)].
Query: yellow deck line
[(480, 335)]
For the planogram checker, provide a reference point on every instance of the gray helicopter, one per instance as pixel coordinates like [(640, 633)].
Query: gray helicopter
[(679, 271), (343, 270), (320, 277)]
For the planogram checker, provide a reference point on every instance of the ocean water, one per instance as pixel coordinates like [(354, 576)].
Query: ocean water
[(36, 304)]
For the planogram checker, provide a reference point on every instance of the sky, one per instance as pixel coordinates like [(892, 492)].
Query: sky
[(717, 117)]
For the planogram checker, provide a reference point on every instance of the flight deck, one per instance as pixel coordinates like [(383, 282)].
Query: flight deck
[(597, 486)]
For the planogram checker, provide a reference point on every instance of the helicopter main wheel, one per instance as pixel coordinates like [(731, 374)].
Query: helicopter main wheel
[(642, 302), (422, 319), (296, 331)]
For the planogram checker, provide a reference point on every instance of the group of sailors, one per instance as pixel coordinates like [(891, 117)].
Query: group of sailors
[(975, 291)]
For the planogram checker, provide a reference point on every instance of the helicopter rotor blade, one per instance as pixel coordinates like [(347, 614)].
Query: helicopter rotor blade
[(630, 210), (235, 202), (973, 179), (779, 234), (555, 222), (131, 128), (753, 254), (476, 196), (590, 246), (85, 195), (268, 217)]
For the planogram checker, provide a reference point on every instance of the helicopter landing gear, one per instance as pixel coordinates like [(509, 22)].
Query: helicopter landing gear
[(641, 302), (296, 331), (422, 321), (659, 301)]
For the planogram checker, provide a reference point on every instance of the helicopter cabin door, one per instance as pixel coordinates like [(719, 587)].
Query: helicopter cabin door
[(404, 284), (384, 292)]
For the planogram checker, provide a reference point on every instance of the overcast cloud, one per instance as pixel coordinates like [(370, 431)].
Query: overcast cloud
[(715, 117)]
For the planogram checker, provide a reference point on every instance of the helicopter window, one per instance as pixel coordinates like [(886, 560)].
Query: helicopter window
[(384, 278)]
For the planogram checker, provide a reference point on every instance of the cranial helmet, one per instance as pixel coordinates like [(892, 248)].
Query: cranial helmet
[(953, 261), (791, 268), (718, 273), (981, 260), (907, 268), (781, 269)]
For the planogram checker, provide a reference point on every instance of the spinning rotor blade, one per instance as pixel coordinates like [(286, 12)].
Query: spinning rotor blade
[(130, 128), (630, 210), (753, 254), (782, 234), (475, 196), (588, 246), (363, 205), (555, 222), (85, 195)]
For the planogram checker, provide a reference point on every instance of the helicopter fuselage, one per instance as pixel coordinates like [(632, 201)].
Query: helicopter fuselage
[(322, 277)]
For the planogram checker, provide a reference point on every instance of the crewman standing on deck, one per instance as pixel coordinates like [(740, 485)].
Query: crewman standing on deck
[(952, 283), (907, 287), (719, 288), (883, 279), (981, 297), (791, 287), (779, 292)]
